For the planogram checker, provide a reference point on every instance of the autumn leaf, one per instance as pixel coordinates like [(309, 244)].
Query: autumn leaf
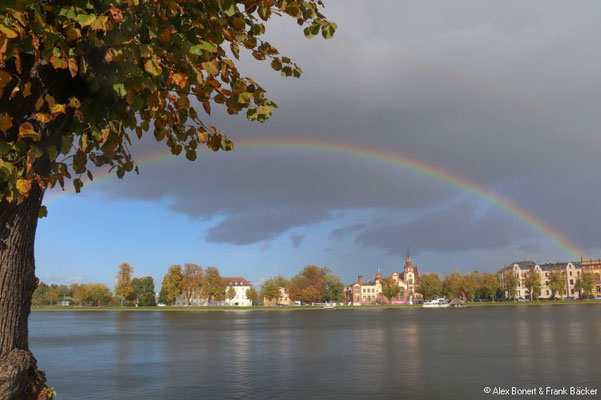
[(8, 32), (43, 118), (24, 186), (58, 63), (5, 78), (72, 64), (6, 122), (152, 67), (26, 130), (58, 109)]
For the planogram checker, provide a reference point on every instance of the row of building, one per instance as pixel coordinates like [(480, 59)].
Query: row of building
[(571, 272)]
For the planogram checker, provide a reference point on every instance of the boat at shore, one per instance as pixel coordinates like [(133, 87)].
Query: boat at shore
[(437, 303), (329, 306)]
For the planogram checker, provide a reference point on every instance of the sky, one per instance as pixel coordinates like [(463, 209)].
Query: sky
[(504, 95)]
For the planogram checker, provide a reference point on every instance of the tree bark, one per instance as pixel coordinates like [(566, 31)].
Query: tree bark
[(19, 376)]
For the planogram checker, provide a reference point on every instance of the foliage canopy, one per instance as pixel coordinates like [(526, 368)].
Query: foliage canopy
[(80, 79)]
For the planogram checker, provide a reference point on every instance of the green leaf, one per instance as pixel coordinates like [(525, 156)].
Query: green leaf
[(79, 162), (43, 212), (85, 19), (203, 45), (120, 89), (4, 148)]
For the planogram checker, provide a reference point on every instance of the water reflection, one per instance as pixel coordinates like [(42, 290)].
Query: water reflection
[(356, 354)]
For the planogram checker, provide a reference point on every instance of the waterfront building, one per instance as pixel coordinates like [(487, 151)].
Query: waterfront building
[(283, 300), (593, 267), (369, 292), (240, 286), (571, 272)]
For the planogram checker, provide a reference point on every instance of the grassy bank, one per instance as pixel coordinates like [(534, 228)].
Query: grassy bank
[(306, 308)]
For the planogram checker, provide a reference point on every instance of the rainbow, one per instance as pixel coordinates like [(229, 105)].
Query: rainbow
[(381, 157)]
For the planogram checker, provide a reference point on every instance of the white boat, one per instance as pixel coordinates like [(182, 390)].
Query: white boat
[(438, 303), (329, 306)]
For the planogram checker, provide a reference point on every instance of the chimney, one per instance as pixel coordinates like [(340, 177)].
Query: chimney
[(360, 279)]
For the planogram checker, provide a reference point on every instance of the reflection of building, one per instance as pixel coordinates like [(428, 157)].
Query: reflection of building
[(571, 272), (370, 292), (283, 300), (240, 286), (593, 267)]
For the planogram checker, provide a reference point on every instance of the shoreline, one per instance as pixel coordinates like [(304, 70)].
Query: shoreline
[(303, 308)]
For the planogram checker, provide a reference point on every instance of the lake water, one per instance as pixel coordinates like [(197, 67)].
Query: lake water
[(410, 353)]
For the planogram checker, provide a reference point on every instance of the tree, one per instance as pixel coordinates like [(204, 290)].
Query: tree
[(334, 290), (78, 79), (469, 284), (40, 296), (270, 289), (510, 284), (532, 283), (191, 283), (557, 282), (213, 286), (252, 295), (309, 285), (451, 285), (99, 294), (429, 286), (231, 293), (489, 285), (124, 289), (584, 284), (390, 288), (170, 287), (144, 291), (80, 293)]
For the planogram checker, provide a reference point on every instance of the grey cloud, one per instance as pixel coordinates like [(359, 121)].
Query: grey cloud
[(259, 226), (505, 94), (456, 228)]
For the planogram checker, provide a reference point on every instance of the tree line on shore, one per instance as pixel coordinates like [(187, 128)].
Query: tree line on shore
[(311, 285)]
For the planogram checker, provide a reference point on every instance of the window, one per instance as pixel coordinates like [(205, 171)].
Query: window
[(547, 292), (571, 281), (570, 273)]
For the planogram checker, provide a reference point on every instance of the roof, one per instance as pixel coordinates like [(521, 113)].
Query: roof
[(456, 301), (521, 264), (235, 281), (554, 266)]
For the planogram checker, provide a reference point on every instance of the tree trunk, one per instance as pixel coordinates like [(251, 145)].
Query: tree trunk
[(19, 376)]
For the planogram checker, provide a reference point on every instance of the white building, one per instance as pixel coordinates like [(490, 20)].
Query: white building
[(240, 286)]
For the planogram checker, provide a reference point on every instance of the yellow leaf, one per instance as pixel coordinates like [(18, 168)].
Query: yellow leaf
[(8, 32), (58, 109), (6, 122), (27, 89), (24, 186), (43, 117), (50, 100), (4, 79), (74, 102), (39, 104), (72, 63), (180, 79), (26, 131), (152, 67)]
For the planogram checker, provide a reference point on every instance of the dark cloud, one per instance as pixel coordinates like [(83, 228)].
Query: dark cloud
[(456, 228), (505, 94)]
